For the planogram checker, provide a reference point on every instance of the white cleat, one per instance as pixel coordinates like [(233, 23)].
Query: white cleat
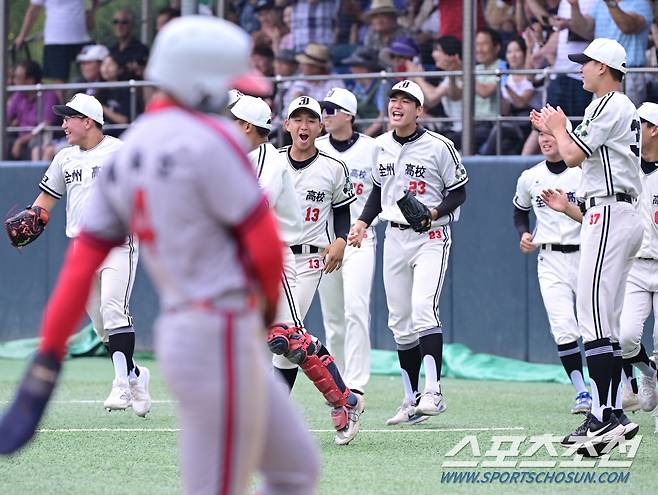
[(406, 414), (629, 400), (119, 398), (647, 396), (139, 388), (347, 434), (431, 404)]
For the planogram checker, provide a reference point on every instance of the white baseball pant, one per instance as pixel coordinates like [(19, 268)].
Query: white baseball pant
[(108, 304), (345, 300), (609, 238), (414, 270), (231, 407), (640, 299), (303, 279), (558, 282)]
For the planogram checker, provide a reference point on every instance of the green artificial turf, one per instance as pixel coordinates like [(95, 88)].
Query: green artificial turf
[(381, 460)]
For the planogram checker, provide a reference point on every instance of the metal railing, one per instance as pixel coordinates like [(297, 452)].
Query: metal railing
[(134, 86)]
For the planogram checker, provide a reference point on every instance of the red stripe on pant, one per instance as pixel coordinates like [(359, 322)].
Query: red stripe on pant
[(229, 420)]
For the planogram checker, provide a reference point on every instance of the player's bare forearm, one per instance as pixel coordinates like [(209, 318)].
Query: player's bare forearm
[(574, 213), (570, 152), (45, 201)]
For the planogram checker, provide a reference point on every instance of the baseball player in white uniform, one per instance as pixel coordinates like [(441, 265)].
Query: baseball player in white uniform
[(183, 184), (73, 172), (345, 293), (413, 160), (606, 145), (324, 192), (642, 282), (558, 239)]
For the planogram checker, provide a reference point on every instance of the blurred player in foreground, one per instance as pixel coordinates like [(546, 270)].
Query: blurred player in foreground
[(183, 184)]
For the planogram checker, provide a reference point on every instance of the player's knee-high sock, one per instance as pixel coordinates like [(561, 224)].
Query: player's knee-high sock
[(642, 362), (333, 369), (431, 351), (628, 376), (617, 371), (573, 364), (600, 366), (410, 360), (122, 347), (289, 375)]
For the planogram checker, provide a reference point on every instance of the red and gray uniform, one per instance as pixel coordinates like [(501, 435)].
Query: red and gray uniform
[(183, 184)]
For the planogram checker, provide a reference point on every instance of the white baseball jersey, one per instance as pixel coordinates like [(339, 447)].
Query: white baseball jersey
[(273, 176), (648, 209), (551, 227), (73, 172), (321, 185), (182, 202), (428, 166), (359, 159), (609, 135)]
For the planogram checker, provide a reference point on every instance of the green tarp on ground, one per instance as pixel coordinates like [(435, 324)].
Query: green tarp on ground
[(458, 361)]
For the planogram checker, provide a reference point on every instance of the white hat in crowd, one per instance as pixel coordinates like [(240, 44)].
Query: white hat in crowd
[(649, 112), (253, 110), (81, 104), (604, 50), (410, 88), (340, 98), (92, 53), (305, 102)]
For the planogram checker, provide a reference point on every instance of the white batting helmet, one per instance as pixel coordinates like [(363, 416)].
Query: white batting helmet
[(197, 58)]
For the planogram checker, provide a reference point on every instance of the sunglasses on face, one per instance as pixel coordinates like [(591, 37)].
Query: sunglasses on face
[(333, 111), (123, 22)]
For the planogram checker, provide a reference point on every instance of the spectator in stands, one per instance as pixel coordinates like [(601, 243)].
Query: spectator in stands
[(272, 28), (23, 111), (285, 65), (487, 48), (89, 62), (566, 90), (383, 27), (286, 42), (65, 32), (371, 94), (402, 51), (313, 21), (627, 22), (506, 17), (262, 59), (165, 15), (651, 79), (517, 99), (314, 61), (349, 20), (451, 18), (447, 55), (246, 16), (131, 53), (115, 101)]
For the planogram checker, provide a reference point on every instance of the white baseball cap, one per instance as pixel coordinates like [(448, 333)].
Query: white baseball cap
[(233, 96), (604, 50), (410, 88), (340, 98), (81, 104), (92, 53), (305, 102), (649, 112), (253, 110)]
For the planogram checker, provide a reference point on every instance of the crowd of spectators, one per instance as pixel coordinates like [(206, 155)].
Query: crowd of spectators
[(326, 37)]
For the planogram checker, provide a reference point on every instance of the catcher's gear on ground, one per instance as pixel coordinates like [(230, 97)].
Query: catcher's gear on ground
[(26, 226), (20, 421), (416, 213)]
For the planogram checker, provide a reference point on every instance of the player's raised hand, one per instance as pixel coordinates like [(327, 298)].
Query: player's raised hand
[(537, 122), (357, 234), (526, 244), (21, 419), (333, 255), (556, 199)]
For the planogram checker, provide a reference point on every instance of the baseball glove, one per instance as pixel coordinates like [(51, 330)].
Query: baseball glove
[(26, 226), (416, 213)]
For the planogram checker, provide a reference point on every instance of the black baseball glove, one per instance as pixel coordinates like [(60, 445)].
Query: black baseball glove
[(26, 226), (416, 213)]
